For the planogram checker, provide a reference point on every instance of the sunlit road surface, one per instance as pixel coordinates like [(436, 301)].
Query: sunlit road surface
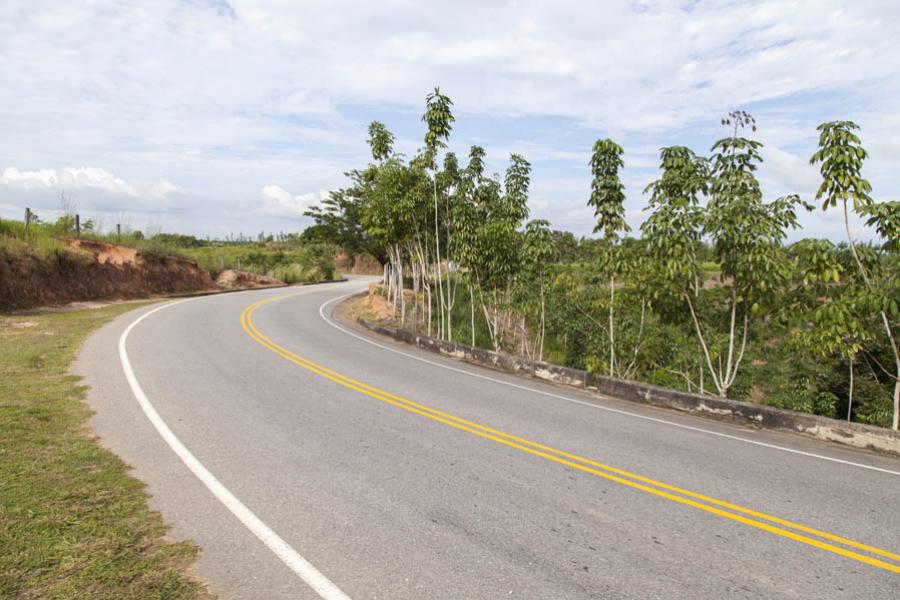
[(309, 462)]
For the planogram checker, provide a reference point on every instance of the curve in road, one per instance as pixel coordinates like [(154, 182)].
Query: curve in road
[(399, 506), (586, 465)]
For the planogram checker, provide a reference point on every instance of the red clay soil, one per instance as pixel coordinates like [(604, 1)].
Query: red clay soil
[(92, 270), (231, 279), (360, 264)]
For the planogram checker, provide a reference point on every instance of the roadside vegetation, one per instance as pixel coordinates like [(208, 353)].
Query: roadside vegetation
[(289, 258), (706, 297), (48, 239), (73, 523), (290, 261)]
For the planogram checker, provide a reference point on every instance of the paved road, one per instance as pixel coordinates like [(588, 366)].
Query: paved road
[(388, 499)]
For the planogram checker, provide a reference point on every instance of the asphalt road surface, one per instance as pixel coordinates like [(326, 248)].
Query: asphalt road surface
[(309, 462)]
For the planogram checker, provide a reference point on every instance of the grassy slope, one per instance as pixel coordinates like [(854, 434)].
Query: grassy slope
[(290, 264), (73, 523)]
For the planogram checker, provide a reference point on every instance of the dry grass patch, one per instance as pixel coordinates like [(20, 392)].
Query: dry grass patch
[(73, 523)]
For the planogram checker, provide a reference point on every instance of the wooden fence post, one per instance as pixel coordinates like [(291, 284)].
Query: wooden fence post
[(118, 231), (27, 218), (77, 225)]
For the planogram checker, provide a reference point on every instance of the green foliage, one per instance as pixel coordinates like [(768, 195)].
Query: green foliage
[(381, 141), (514, 208), (392, 193), (607, 192), (289, 263), (439, 120), (816, 261), (708, 299), (179, 240), (673, 230), (841, 156), (885, 218), (338, 221), (747, 234), (538, 247)]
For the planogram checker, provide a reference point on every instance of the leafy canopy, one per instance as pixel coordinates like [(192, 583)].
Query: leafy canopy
[(841, 156), (607, 192)]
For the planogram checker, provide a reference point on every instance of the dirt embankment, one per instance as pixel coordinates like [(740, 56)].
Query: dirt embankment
[(231, 279), (360, 264), (91, 270)]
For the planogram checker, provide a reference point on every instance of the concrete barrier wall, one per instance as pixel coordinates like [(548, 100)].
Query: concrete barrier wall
[(850, 434)]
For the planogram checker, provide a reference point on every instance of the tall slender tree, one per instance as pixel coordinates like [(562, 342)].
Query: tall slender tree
[(439, 120), (840, 156), (608, 200), (538, 251), (674, 228), (747, 236)]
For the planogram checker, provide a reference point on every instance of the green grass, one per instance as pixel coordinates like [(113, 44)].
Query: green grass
[(290, 264), (14, 241), (44, 239), (73, 523)]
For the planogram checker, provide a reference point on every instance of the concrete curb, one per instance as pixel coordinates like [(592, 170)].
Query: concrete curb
[(856, 435)]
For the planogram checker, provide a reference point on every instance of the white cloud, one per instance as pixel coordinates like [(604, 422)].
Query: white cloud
[(93, 178), (278, 202), (225, 98), (793, 173)]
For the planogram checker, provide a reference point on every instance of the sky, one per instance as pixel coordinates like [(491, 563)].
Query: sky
[(216, 117)]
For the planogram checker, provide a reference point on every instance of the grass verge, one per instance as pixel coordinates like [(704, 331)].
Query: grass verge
[(73, 523)]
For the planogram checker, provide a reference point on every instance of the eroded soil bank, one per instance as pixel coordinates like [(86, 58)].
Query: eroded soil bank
[(91, 270)]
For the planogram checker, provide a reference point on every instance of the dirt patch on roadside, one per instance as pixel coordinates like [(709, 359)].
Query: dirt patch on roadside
[(375, 306), (105, 253), (231, 279), (93, 271), (360, 264)]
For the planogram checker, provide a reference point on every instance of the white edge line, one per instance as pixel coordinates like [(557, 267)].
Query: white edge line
[(290, 557), (593, 405)]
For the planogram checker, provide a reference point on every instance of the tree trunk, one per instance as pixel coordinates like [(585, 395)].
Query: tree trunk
[(415, 282), (612, 334), (712, 372), (400, 284), (896, 399), (700, 364), (437, 258), (850, 394), (472, 311), (726, 379), (541, 353), (428, 297)]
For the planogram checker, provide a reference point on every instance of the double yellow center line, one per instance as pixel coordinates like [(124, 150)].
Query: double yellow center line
[(753, 518)]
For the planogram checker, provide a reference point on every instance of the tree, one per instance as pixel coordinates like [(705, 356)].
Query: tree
[(608, 200), (439, 120), (746, 234), (538, 252), (381, 141), (841, 157), (388, 216), (471, 210), (674, 228), (835, 307), (338, 220)]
